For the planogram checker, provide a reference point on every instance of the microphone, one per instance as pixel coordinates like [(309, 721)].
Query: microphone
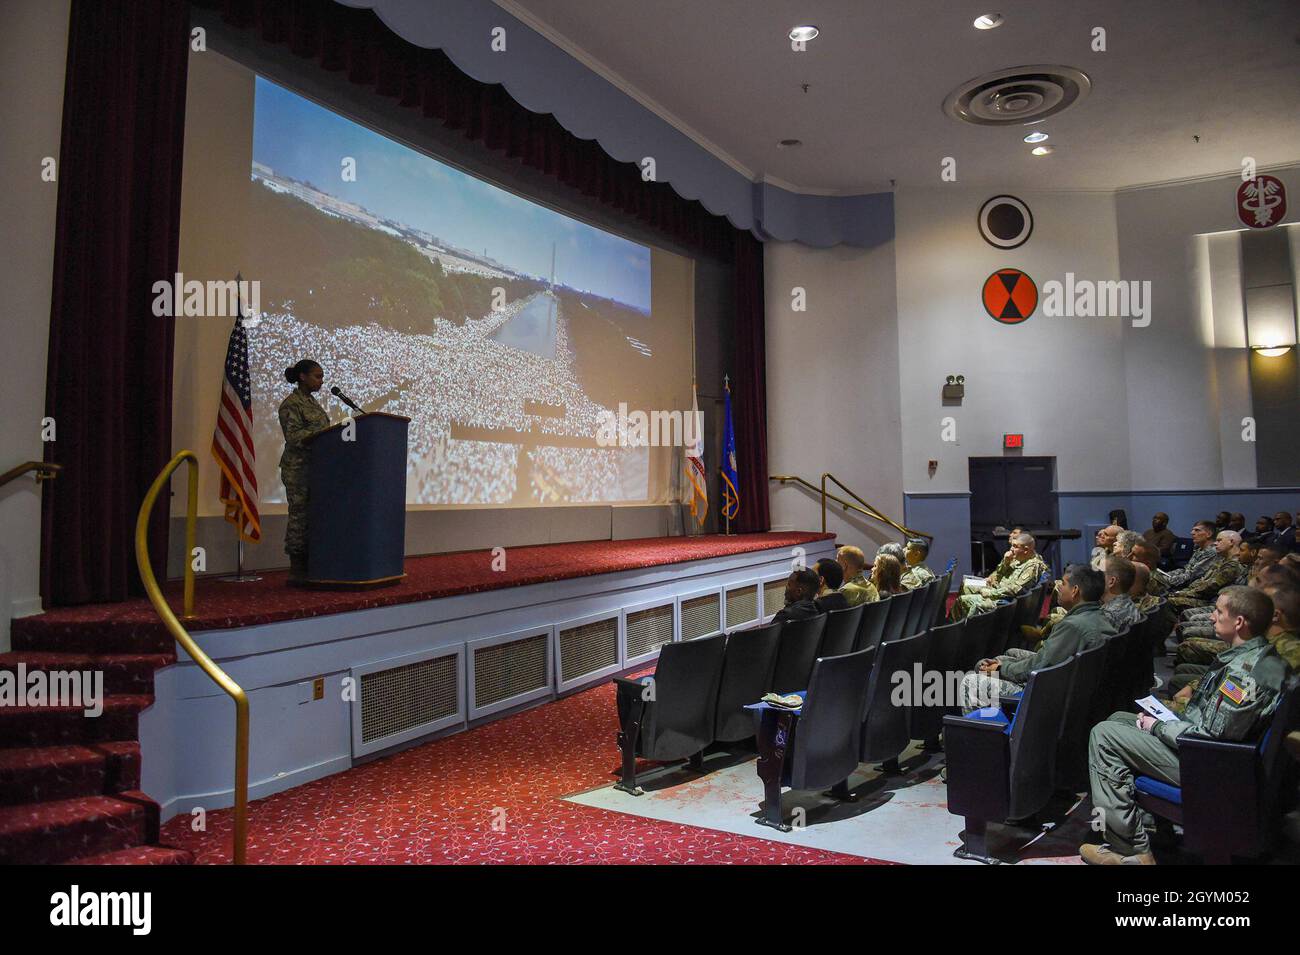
[(338, 393)]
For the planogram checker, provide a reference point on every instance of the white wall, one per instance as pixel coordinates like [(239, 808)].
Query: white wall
[(832, 384), (1059, 381), (33, 50), (1188, 368)]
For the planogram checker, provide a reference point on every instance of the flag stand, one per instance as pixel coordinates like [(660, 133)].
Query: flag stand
[(239, 577)]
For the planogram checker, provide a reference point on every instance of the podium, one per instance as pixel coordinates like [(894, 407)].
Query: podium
[(356, 514)]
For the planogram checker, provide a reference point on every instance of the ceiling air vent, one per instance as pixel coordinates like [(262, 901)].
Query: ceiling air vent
[(1020, 95)]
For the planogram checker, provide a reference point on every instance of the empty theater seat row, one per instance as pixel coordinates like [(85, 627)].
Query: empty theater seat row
[(700, 688)]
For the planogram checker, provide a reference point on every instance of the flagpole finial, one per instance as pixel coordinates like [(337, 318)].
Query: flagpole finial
[(726, 382)]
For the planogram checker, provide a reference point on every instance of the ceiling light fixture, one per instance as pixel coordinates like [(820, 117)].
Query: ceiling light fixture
[(1036, 137), (789, 143), (1042, 150), (988, 21), (802, 34)]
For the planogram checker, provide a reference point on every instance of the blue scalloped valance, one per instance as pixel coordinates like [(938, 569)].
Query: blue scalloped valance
[(545, 79)]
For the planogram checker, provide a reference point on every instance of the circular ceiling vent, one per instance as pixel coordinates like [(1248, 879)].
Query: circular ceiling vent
[(1022, 94)]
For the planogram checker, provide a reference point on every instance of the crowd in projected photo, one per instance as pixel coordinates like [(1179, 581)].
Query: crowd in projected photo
[(504, 330)]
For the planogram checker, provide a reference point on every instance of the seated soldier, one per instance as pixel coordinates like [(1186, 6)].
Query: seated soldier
[(1125, 543), (800, 590), (1199, 647), (1159, 535), (1105, 540), (1147, 554), (1195, 621), (1203, 540), (1141, 579), (1234, 702), (1004, 565), (1116, 603), (1025, 569), (857, 588), (917, 574), (887, 575), (1082, 627), (829, 578), (1220, 572), (1281, 633)]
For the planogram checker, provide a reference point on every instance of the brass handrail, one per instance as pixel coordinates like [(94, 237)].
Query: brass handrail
[(862, 507), (45, 471), (179, 633)]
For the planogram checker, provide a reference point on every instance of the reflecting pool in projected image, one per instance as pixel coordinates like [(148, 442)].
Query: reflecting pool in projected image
[(533, 327)]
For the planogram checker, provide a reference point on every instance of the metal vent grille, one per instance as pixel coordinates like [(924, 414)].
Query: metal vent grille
[(700, 616), (742, 606), (506, 670), (405, 697), (648, 630), (587, 648), (773, 596)]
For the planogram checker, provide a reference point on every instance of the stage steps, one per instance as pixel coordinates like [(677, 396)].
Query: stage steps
[(68, 783)]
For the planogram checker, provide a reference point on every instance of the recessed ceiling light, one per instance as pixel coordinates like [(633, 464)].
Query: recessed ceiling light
[(789, 143), (1036, 137), (988, 21), (1272, 351), (1041, 150), (804, 33)]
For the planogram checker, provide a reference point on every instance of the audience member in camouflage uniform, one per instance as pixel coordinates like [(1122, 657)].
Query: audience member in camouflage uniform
[(857, 588), (1222, 571), (1234, 702), (1082, 627), (300, 418), (1025, 569), (1116, 603), (917, 574), (1203, 539), (1196, 655)]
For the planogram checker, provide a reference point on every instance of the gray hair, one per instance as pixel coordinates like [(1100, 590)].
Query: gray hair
[(1022, 539), (893, 549), (1125, 541)]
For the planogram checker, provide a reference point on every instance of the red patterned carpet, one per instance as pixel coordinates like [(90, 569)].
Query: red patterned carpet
[(220, 605), (489, 795)]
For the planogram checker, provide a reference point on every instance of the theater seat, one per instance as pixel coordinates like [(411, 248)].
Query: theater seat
[(841, 631), (872, 627), (797, 649), (1072, 750), (944, 643), (817, 746), (747, 667), (1001, 769), (900, 606), (999, 634), (937, 609), (1232, 795), (920, 602), (884, 728), (670, 715)]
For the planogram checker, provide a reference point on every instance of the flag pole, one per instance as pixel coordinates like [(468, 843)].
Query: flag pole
[(239, 577)]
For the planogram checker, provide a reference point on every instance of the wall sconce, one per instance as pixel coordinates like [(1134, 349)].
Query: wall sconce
[(955, 387), (1270, 320)]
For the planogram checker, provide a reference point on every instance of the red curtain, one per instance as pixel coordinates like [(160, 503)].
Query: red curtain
[(749, 400), (109, 374)]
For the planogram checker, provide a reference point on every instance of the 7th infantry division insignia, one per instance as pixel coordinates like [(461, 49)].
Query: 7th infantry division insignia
[(1010, 296)]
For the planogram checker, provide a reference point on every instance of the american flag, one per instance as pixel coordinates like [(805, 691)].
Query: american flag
[(232, 440)]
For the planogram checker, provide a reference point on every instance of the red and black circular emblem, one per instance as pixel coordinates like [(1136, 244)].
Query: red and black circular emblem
[(1261, 202), (1010, 296)]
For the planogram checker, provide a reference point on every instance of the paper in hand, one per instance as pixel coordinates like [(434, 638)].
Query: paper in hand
[(1157, 709)]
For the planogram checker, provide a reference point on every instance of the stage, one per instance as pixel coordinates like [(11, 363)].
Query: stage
[(338, 677)]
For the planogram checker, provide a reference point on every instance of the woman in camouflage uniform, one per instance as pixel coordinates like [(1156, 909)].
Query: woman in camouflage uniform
[(300, 418)]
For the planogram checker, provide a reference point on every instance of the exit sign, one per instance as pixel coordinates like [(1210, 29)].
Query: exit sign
[(1010, 441)]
